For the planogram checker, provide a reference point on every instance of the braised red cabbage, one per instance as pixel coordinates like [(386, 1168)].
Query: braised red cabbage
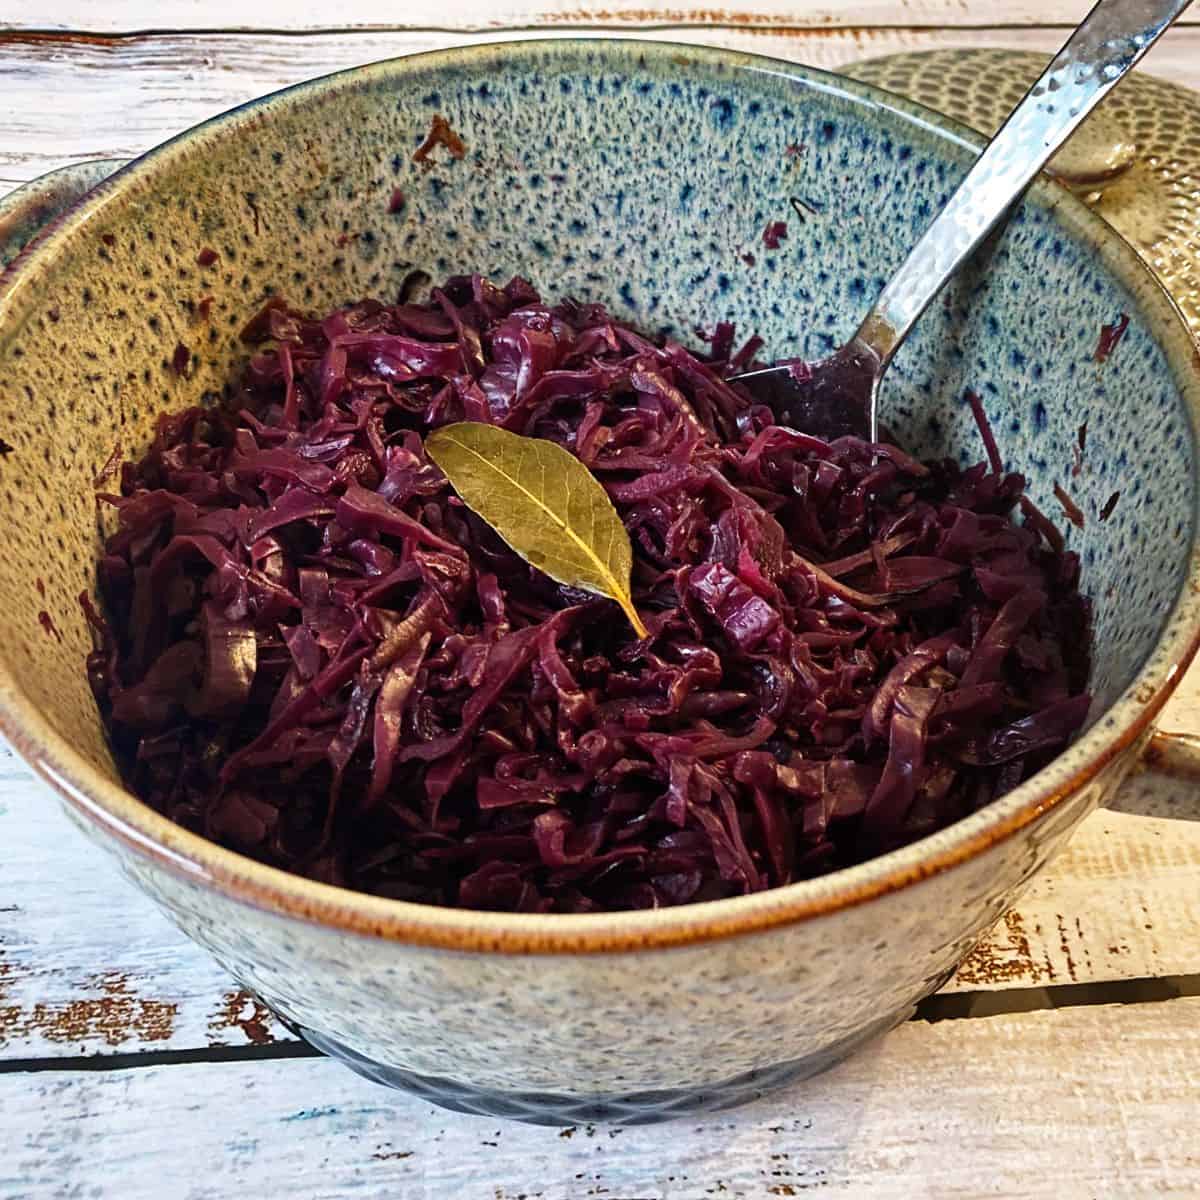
[(313, 653)]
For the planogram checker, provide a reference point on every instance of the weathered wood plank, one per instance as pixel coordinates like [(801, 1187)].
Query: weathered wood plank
[(1121, 902), (70, 97), (1075, 1103), (483, 15), (87, 964)]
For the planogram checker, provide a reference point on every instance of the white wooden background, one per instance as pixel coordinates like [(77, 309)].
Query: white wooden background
[(1063, 1059)]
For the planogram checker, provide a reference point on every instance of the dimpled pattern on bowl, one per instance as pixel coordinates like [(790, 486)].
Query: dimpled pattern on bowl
[(643, 177)]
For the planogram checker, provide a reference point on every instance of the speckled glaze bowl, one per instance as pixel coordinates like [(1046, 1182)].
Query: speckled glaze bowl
[(642, 175)]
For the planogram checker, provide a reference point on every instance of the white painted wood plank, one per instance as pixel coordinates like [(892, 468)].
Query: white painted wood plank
[(1122, 901), (89, 966), (71, 98), (1076, 1103), (126, 16)]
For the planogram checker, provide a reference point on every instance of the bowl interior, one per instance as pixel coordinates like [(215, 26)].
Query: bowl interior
[(642, 177)]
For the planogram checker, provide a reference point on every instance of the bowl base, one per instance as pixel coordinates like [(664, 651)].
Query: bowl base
[(633, 1108)]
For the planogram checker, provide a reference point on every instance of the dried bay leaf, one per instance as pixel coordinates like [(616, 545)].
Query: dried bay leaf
[(544, 503)]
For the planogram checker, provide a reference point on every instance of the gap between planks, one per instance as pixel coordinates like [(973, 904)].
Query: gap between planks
[(944, 1006), (581, 26), (489, 15)]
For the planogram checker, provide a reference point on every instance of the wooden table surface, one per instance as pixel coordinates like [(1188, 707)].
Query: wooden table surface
[(1064, 1057)]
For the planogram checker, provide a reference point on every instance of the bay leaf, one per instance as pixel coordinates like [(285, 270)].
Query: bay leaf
[(544, 503)]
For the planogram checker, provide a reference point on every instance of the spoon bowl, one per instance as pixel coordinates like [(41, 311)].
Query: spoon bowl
[(834, 397)]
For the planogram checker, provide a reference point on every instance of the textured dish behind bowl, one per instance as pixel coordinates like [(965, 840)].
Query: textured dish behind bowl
[(652, 194)]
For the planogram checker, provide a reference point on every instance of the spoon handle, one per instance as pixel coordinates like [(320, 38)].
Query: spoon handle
[(1112, 38)]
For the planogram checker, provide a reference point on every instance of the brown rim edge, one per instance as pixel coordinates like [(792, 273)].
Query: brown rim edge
[(100, 802)]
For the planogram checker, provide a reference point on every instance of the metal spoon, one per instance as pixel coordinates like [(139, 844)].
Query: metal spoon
[(839, 395)]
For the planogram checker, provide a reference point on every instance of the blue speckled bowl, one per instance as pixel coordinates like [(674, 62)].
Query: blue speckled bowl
[(642, 175)]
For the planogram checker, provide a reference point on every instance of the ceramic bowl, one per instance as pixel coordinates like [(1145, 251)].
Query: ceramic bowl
[(644, 176)]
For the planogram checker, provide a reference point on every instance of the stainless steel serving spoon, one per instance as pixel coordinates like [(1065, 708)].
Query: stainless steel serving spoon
[(840, 394)]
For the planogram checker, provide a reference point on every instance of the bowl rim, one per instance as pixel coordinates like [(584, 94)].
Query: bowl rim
[(188, 856)]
